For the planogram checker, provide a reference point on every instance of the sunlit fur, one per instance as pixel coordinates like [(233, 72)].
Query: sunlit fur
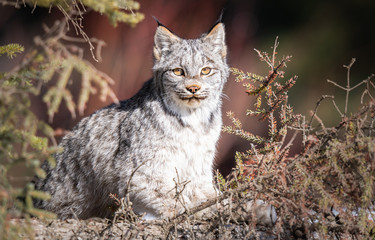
[(153, 145)]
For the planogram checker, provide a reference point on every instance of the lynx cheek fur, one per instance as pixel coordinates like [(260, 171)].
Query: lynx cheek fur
[(158, 141)]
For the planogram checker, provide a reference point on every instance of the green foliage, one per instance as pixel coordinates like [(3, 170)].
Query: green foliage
[(56, 61), (114, 10), (123, 11), (11, 50), (24, 139), (327, 190)]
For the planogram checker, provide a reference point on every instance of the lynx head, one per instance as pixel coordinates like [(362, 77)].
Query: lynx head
[(190, 73)]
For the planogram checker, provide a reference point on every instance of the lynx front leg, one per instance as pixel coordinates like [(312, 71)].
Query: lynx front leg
[(158, 199)]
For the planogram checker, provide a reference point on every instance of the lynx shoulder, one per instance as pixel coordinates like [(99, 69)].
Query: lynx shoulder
[(165, 136)]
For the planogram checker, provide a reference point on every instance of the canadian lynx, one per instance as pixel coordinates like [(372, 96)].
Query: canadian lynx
[(162, 138)]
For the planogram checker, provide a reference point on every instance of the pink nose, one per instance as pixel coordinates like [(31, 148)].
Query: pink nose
[(193, 88)]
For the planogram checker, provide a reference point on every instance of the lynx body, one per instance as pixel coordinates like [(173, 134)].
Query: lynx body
[(159, 146)]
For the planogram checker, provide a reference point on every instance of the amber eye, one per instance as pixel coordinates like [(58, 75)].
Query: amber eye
[(179, 72), (205, 71)]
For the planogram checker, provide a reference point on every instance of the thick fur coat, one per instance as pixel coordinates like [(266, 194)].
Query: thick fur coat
[(158, 147)]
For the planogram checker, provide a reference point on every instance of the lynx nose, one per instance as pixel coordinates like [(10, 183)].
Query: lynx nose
[(193, 88)]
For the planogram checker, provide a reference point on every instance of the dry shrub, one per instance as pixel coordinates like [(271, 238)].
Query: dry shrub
[(324, 192)]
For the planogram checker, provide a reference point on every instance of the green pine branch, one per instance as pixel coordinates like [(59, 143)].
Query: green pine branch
[(11, 50)]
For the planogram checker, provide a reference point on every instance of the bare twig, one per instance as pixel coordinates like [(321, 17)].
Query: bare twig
[(276, 44), (348, 85), (321, 123), (318, 104)]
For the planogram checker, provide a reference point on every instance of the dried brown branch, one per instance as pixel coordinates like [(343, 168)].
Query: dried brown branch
[(332, 171)]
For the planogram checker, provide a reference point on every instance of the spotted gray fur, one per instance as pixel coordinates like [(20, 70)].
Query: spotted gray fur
[(152, 145)]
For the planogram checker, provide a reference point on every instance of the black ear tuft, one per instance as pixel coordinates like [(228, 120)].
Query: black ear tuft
[(161, 25), (219, 20), (158, 22)]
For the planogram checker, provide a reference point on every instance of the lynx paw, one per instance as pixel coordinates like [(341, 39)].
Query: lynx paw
[(265, 213), (149, 216)]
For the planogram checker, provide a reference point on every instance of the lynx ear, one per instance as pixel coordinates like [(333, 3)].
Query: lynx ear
[(216, 38), (163, 39)]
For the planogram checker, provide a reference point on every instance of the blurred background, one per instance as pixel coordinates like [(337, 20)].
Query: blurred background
[(321, 36)]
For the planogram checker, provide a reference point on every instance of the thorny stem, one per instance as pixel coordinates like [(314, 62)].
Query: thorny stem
[(276, 103), (272, 76)]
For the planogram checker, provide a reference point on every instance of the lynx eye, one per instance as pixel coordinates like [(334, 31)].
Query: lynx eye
[(178, 72), (205, 71)]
